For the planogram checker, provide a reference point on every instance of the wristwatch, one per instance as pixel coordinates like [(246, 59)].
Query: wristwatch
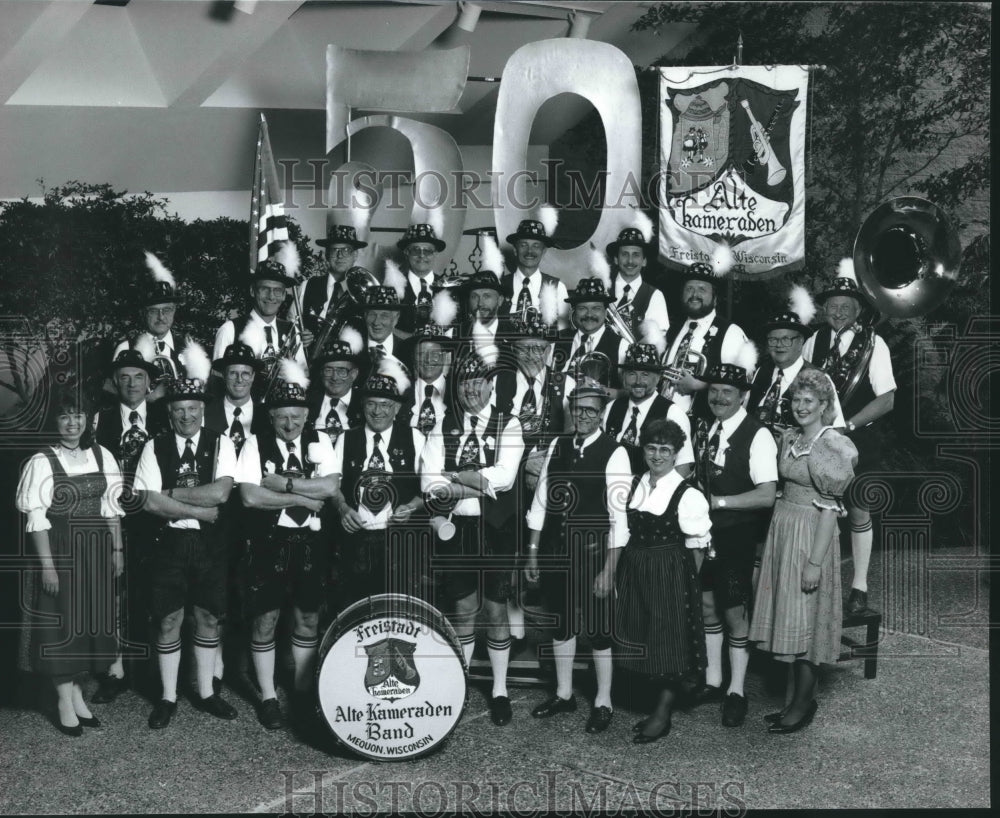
[(721, 501), (288, 486)]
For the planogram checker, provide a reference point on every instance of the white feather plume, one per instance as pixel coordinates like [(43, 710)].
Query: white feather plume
[(293, 372), (549, 217), (392, 368), (802, 304), (352, 338), (444, 309), (435, 218), (481, 338), (644, 224), (548, 303), (492, 257), (490, 354), (600, 268), (253, 337), (722, 259), (160, 273), (650, 332), (144, 346), (361, 202), (746, 358), (845, 269), (393, 277), (196, 362), (288, 257)]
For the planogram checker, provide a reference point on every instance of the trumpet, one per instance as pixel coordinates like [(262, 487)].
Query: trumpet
[(694, 363)]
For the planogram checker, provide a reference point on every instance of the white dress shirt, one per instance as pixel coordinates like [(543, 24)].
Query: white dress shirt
[(227, 334), (535, 289), (685, 455), (246, 414), (879, 368), (618, 481), (342, 406), (734, 339), (148, 477), (692, 510), (126, 423), (657, 309), (763, 449)]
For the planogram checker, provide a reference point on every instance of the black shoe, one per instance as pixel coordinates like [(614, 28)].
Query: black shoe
[(269, 714), (216, 706), (643, 738), (774, 718), (554, 705), (600, 718), (93, 721), (500, 711), (163, 711), (217, 685), (778, 727), (639, 725), (734, 710), (857, 601), (706, 694), (75, 731), (109, 688)]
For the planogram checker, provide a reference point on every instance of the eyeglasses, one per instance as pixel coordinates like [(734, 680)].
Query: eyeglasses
[(782, 343), (431, 357), (340, 372), (160, 311), (340, 252), (585, 411), (840, 312), (653, 450), (277, 292), (420, 251)]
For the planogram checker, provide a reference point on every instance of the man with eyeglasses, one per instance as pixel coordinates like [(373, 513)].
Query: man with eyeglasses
[(382, 310), (522, 288), (431, 392), (335, 407), (325, 297), (858, 361), (577, 528), (420, 245), (261, 329)]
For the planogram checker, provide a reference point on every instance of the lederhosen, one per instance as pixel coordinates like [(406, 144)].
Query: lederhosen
[(711, 349), (284, 563), (618, 419), (388, 560), (574, 542), (639, 303), (187, 564), (283, 329), (73, 631), (609, 344), (481, 555), (867, 439), (735, 533)]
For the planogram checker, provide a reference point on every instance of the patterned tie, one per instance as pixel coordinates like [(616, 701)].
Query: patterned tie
[(578, 445), (270, 353), (298, 514), (375, 497), (470, 451), (713, 444), (833, 359), (424, 296), (187, 471), (132, 442), (625, 299), (769, 405), (332, 422), (376, 462), (529, 406), (682, 350), (524, 297), (427, 418), (236, 432), (187, 459), (631, 436), (589, 343)]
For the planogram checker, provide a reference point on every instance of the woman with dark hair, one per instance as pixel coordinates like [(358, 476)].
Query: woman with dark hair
[(70, 493), (797, 612), (659, 596)]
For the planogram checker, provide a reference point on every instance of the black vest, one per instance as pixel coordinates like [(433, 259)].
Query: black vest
[(619, 418), (734, 477), (863, 393), (168, 461), (577, 508), (495, 512), (403, 482), (609, 345), (110, 429), (711, 349), (355, 415), (263, 521), (758, 389), (553, 391), (641, 297), (215, 418)]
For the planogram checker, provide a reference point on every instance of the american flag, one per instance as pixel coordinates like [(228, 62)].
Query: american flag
[(268, 227)]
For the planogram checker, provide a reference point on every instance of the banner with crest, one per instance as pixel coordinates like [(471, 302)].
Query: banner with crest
[(732, 156)]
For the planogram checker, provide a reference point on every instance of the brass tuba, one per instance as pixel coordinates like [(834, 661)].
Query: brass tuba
[(907, 256), (357, 282)]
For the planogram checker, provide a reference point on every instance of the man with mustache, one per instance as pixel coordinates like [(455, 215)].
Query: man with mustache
[(522, 288), (589, 303), (704, 331), (738, 473)]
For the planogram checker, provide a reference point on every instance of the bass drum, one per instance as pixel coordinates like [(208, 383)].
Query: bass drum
[(391, 677)]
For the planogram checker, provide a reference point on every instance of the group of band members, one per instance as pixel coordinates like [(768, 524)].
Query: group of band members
[(284, 483)]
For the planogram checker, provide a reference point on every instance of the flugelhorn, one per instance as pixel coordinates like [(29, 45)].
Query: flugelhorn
[(694, 363), (620, 325)]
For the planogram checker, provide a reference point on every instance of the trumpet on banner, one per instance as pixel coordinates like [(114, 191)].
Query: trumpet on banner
[(762, 148)]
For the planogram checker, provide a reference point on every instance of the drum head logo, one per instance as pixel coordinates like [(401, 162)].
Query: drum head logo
[(392, 673)]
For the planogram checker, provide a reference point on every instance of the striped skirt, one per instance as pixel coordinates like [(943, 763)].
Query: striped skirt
[(659, 627), (786, 621)]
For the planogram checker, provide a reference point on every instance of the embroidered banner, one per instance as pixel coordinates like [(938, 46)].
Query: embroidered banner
[(732, 153)]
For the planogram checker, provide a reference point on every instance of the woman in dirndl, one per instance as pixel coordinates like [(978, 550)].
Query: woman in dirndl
[(70, 493), (797, 611), (659, 617)]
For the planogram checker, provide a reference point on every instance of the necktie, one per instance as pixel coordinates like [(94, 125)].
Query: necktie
[(427, 418), (236, 433), (470, 451), (682, 350), (625, 299), (377, 352), (529, 406), (375, 495), (424, 296), (631, 436), (713, 444), (524, 297), (269, 350), (186, 470), (298, 514), (160, 346), (834, 357), (589, 343), (132, 442), (376, 462), (578, 444), (770, 402), (332, 422)]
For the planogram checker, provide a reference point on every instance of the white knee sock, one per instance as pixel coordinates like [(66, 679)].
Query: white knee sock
[(565, 653), (739, 658), (861, 549), (303, 653), (603, 665), (263, 664), (169, 659), (713, 646), (205, 649), (499, 650)]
